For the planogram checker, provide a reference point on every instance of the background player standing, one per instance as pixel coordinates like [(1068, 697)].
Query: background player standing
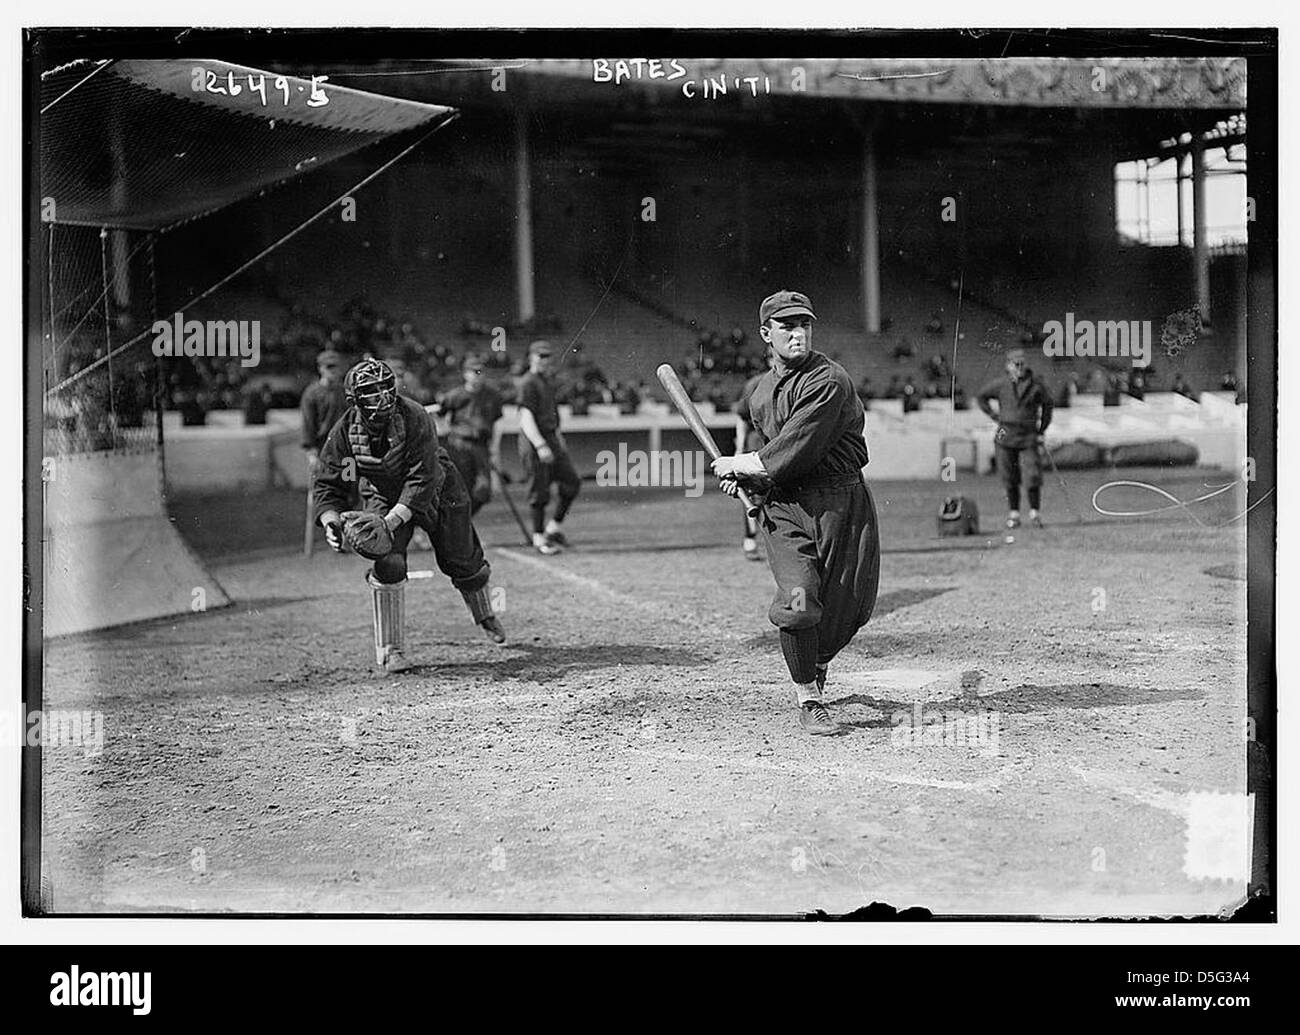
[(323, 403), (543, 452), (472, 411), (1023, 413), (384, 448), (748, 440), (819, 520)]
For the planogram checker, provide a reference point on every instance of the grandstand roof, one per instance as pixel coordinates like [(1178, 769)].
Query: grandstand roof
[(147, 144), (1147, 83), (627, 117), (1212, 83)]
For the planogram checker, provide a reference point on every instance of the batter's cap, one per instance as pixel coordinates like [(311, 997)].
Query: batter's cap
[(785, 303)]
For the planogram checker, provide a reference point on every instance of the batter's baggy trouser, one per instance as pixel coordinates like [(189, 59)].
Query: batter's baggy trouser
[(1015, 463), (823, 545), (456, 548)]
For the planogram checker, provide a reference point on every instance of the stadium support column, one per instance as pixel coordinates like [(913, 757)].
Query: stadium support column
[(1200, 252), (1178, 196), (523, 221), (870, 236)]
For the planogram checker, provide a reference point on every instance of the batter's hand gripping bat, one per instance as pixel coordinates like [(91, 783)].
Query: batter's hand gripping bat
[(677, 393)]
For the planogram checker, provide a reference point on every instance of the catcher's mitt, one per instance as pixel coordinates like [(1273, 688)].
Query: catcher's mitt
[(367, 534)]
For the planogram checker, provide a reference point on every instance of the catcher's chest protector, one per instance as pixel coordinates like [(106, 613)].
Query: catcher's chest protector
[(959, 516)]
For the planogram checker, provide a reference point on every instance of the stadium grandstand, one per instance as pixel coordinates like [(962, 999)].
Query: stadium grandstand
[(938, 213), (895, 193)]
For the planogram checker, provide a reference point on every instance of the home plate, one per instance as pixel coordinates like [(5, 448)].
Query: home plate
[(900, 684)]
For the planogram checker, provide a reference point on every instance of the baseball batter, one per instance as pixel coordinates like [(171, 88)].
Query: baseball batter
[(385, 449), (1024, 410), (819, 520)]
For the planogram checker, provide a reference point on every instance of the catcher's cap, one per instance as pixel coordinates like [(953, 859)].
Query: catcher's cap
[(540, 348), (785, 303)]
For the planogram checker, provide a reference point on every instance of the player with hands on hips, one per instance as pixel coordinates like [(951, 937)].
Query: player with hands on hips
[(323, 403), (471, 411), (1024, 410)]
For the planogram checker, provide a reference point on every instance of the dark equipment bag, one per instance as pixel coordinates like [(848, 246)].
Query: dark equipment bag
[(959, 515)]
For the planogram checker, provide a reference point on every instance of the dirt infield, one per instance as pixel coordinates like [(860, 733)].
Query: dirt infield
[(635, 747)]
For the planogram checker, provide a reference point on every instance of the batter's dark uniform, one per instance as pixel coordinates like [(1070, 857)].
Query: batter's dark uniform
[(409, 467), (473, 416), (1024, 412), (537, 393), (819, 522)]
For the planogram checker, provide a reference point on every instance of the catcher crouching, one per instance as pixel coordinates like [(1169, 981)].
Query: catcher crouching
[(385, 450)]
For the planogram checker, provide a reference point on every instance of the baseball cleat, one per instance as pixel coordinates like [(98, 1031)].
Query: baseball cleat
[(1036, 520), (492, 626), (816, 719), (750, 548), (396, 662), (1013, 521), (558, 538), (544, 546)]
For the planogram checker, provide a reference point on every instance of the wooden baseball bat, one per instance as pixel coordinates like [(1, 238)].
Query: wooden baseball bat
[(677, 393), (309, 529), (505, 494)]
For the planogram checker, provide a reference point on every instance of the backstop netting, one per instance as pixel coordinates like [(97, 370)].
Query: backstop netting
[(129, 151)]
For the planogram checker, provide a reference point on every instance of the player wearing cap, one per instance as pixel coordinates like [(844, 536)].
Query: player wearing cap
[(472, 411), (322, 404), (819, 520), (1024, 410), (385, 449), (543, 452)]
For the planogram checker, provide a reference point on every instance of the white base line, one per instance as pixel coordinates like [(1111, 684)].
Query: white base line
[(592, 586)]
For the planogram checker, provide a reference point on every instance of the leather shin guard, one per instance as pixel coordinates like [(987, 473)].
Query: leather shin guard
[(479, 602), (390, 616)]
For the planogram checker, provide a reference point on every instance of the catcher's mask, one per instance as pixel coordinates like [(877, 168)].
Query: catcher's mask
[(371, 387)]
